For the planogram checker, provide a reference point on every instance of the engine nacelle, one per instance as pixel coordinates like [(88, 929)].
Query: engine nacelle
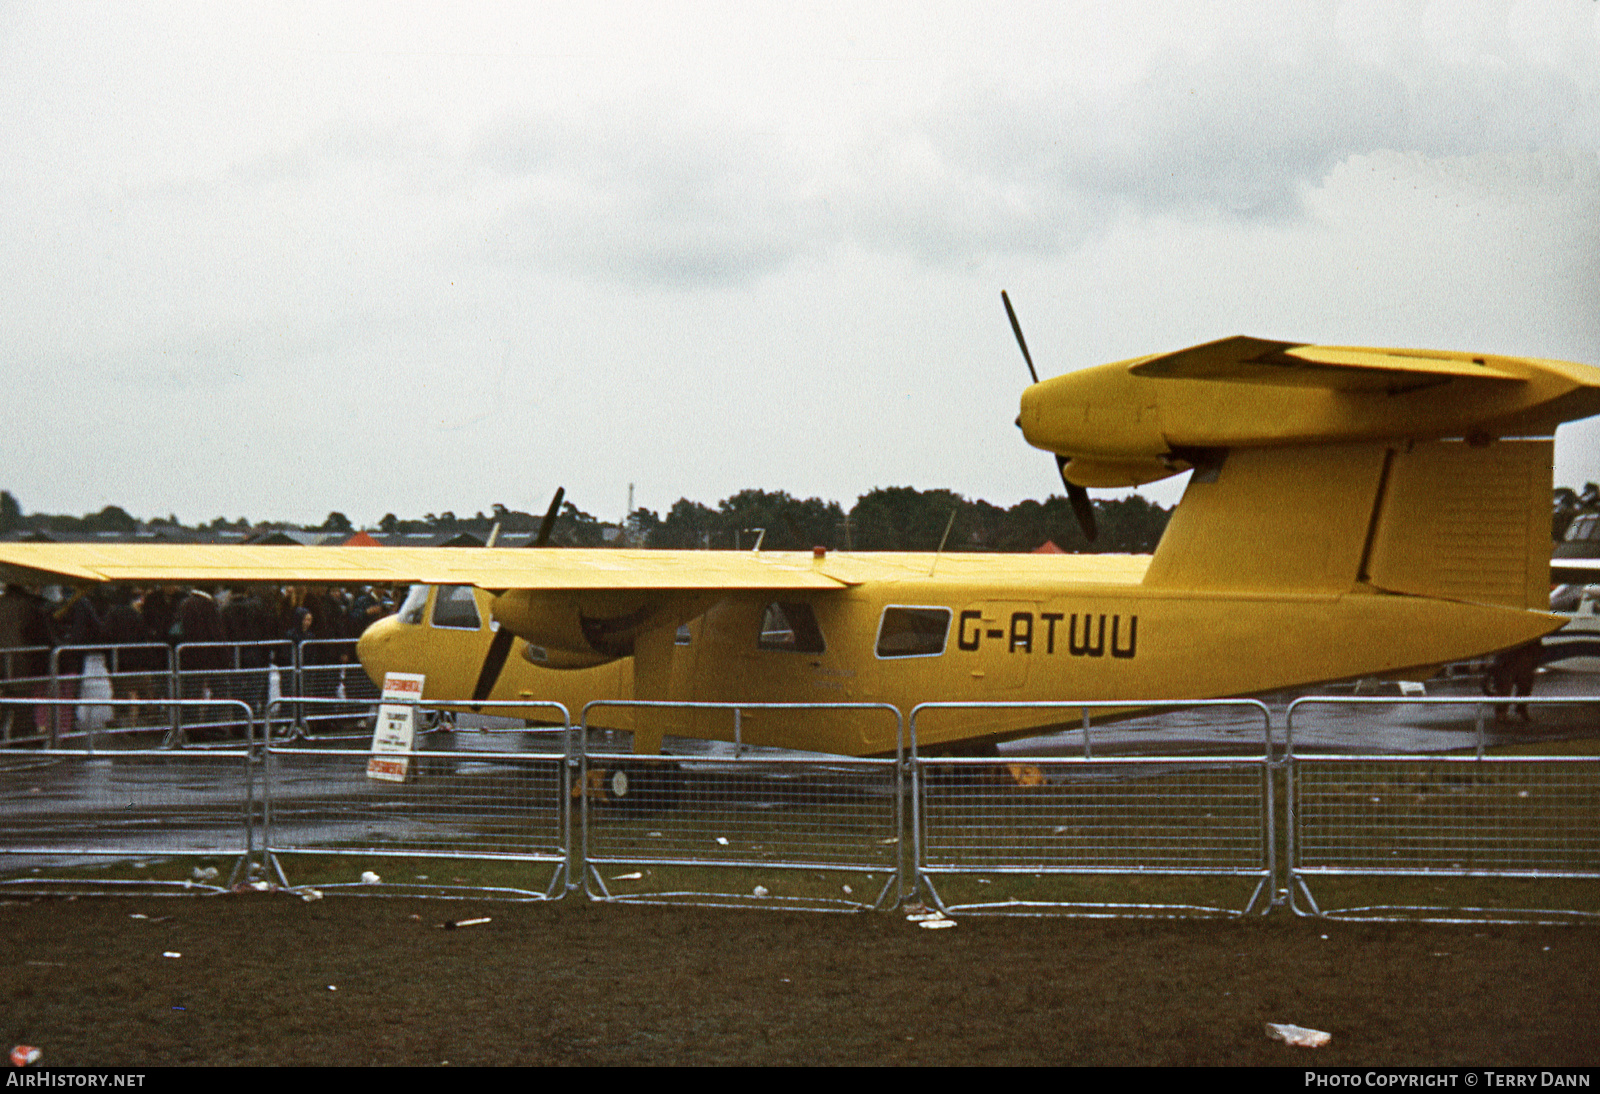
[(576, 630)]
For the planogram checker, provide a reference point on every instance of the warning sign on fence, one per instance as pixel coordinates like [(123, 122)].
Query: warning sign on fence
[(397, 722)]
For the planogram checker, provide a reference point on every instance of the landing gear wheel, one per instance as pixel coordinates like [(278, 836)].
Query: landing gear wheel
[(438, 721)]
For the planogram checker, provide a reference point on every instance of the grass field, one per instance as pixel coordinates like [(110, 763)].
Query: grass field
[(270, 979)]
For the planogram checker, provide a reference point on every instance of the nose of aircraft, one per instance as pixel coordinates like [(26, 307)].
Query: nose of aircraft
[(376, 648)]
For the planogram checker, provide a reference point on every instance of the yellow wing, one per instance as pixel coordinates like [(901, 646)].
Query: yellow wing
[(488, 568)]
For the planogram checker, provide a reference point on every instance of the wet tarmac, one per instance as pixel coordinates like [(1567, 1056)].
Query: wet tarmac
[(1367, 718)]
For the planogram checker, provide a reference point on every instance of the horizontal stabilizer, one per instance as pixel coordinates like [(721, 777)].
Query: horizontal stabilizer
[(1336, 368), (1131, 422)]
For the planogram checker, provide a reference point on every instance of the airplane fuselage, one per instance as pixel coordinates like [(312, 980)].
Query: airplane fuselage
[(983, 628)]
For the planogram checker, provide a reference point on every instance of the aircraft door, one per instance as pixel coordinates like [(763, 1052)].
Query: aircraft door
[(994, 642)]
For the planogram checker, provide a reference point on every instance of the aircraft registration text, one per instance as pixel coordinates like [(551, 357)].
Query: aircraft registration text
[(1087, 638)]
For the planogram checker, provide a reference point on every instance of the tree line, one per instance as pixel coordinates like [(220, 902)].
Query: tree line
[(897, 518)]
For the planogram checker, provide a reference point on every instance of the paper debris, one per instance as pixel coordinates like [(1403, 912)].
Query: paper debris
[(1298, 1035)]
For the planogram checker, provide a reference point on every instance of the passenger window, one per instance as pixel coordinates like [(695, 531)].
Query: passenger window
[(454, 606), (791, 626), (913, 632)]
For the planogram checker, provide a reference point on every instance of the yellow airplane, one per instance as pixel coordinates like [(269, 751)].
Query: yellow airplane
[(1352, 512)]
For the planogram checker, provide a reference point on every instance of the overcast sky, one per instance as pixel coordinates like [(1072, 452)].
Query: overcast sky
[(272, 260)]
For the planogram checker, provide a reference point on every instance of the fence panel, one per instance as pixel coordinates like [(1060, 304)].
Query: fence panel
[(327, 668), (92, 673), (733, 825), (248, 672), (1099, 833), (69, 809), (507, 800), (24, 672), (1443, 836)]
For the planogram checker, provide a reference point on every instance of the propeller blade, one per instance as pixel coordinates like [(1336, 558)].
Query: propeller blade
[(493, 662), (1016, 328), (1082, 507), (500, 645), (548, 524)]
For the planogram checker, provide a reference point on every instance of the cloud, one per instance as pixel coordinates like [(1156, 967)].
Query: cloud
[(681, 196), (657, 199), (1239, 135)]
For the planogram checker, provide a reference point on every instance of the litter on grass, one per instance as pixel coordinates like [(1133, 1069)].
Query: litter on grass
[(1298, 1035)]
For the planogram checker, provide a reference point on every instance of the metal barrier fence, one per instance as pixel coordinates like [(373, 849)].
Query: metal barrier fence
[(1008, 830), (102, 672), (74, 808), (326, 668), (245, 671), (1384, 836), (735, 826), (254, 673), (1104, 832), (506, 802), (24, 672)]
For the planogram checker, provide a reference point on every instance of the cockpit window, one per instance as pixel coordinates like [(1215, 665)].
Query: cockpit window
[(416, 600), (791, 626), (1582, 528), (454, 606), (913, 632)]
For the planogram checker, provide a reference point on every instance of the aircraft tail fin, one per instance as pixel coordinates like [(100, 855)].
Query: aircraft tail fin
[(1444, 519), (1469, 523)]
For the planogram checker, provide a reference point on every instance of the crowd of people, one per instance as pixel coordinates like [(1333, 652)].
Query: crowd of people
[(64, 644)]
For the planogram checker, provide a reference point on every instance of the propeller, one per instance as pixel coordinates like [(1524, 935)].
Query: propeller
[(500, 645), (1082, 507), (1016, 328), (548, 524)]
